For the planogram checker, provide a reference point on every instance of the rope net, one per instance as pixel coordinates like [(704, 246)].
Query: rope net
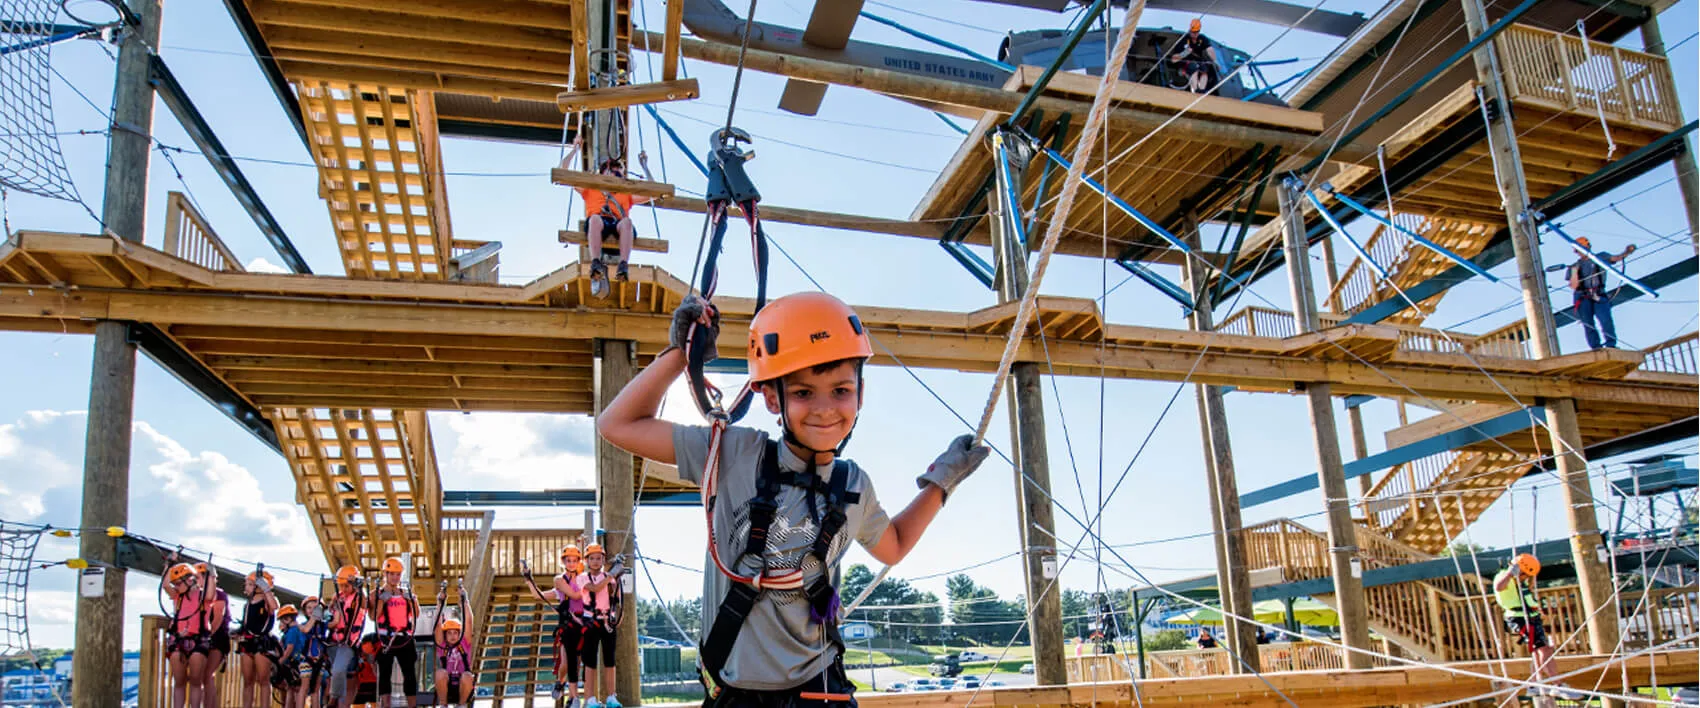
[(30, 159), (17, 554)]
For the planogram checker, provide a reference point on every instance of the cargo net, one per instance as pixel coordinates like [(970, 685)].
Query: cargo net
[(30, 159), (17, 555)]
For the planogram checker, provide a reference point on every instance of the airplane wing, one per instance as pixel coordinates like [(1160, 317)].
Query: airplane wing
[(829, 28)]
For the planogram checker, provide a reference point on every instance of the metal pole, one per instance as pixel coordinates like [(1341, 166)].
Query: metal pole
[(98, 663), (1342, 532)]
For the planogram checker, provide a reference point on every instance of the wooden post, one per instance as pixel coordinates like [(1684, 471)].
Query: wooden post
[(1027, 414), (1233, 580), (151, 690), (1686, 174), (98, 663), (1360, 449), (1591, 572), (99, 659), (616, 499), (1331, 472)]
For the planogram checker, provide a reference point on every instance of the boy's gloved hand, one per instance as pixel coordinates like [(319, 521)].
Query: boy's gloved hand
[(959, 460), (694, 311)]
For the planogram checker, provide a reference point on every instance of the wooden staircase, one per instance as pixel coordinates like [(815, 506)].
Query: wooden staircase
[(1442, 619), (1425, 503), (1407, 263)]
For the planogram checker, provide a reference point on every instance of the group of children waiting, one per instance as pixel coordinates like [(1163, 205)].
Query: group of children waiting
[(586, 597), (320, 654)]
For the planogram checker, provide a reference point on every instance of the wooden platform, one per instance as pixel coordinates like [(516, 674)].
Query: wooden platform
[(581, 179), (1161, 171), (1405, 685), (314, 341)]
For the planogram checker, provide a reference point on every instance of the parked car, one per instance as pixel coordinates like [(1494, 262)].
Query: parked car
[(994, 683), (897, 687), (970, 683), (925, 687), (947, 683), (917, 683), (1026, 668), (975, 656)]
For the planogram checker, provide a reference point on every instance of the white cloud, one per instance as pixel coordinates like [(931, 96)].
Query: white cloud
[(222, 499), (261, 265), (523, 450)]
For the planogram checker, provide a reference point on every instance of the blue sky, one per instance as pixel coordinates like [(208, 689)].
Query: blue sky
[(198, 479)]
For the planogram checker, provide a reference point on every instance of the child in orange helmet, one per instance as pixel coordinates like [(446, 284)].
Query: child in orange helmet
[(348, 621), (395, 609), (806, 352), (454, 679), (607, 214), (1514, 590)]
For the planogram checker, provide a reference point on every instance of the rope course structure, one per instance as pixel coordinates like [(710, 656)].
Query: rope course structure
[(30, 157), (17, 559)]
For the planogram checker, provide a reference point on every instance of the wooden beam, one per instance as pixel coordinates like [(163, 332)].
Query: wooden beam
[(1129, 92), (581, 179), (298, 70), (670, 39), (401, 20), (428, 53), (945, 91), (630, 95), (651, 245), (517, 13), (580, 12)]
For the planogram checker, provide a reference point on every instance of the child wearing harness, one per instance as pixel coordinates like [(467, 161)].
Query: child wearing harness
[(256, 647), (569, 623), (292, 656), (769, 607), (1513, 589), (600, 592), (188, 638), (394, 608), (454, 678), (607, 214), (348, 620), (218, 618)]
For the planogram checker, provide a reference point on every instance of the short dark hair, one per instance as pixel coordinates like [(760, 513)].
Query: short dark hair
[(819, 369)]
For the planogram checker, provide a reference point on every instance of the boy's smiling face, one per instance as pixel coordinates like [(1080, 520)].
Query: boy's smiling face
[(820, 404)]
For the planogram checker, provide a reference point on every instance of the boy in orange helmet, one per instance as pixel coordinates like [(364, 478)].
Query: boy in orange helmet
[(1195, 56), (769, 609), (348, 621), (607, 214)]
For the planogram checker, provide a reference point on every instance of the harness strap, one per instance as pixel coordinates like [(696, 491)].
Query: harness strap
[(728, 184)]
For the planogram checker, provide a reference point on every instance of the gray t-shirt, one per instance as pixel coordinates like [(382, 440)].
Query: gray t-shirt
[(779, 647)]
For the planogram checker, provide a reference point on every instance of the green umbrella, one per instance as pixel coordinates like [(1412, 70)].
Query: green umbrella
[(1200, 615), (1306, 611)]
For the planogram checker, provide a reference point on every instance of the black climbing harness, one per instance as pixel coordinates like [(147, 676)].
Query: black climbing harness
[(741, 596), (728, 184)]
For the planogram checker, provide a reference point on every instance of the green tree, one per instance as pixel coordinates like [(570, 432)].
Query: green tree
[(918, 618), (1462, 549), (1166, 640)]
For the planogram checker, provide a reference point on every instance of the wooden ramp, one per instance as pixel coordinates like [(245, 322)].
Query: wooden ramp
[(1159, 172)]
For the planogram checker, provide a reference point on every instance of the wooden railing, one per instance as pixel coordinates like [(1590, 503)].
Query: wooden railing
[(1395, 496), (1675, 356), (475, 261), (154, 681), (1510, 341), (1300, 552), (480, 577), (189, 237), (1187, 663), (536, 547), (1258, 322), (1554, 71)]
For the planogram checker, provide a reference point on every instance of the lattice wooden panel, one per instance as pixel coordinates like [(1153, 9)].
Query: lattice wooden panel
[(518, 647), (367, 481), (380, 173)]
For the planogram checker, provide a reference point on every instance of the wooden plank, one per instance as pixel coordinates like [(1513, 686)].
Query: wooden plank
[(651, 245), (671, 31), (629, 95), (1173, 100), (580, 13), (404, 20), (448, 82), (579, 179)]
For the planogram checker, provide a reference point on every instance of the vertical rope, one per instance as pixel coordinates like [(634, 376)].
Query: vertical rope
[(1058, 222)]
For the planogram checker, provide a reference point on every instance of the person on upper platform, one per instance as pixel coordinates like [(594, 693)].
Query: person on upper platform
[(607, 214), (1592, 300), (1195, 57), (782, 512)]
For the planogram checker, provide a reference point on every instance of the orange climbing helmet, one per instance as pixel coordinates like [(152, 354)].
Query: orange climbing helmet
[(451, 625), (594, 549), (393, 564), (1528, 565), (286, 611), (346, 575), (1197, 25), (201, 568), (1583, 242), (255, 576), (180, 572), (570, 551), (802, 330)]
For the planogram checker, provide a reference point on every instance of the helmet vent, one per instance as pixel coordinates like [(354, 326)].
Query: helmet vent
[(770, 342), (856, 324)]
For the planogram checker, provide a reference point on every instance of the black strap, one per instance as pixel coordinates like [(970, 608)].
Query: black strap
[(728, 184), (741, 598)]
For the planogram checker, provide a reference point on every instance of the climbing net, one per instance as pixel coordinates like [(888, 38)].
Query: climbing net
[(30, 158), (17, 557)]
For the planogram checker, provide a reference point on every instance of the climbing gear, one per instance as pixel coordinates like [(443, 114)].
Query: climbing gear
[(394, 565), (1528, 565), (571, 550), (593, 549), (1584, 242), (742, 595), (692, 312), (803, 330), (728, 184), (201, 568), (261, 575), (346, 575), (451, 625), (1197, 25), (178, 573), (286, 611), (958, 461)]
